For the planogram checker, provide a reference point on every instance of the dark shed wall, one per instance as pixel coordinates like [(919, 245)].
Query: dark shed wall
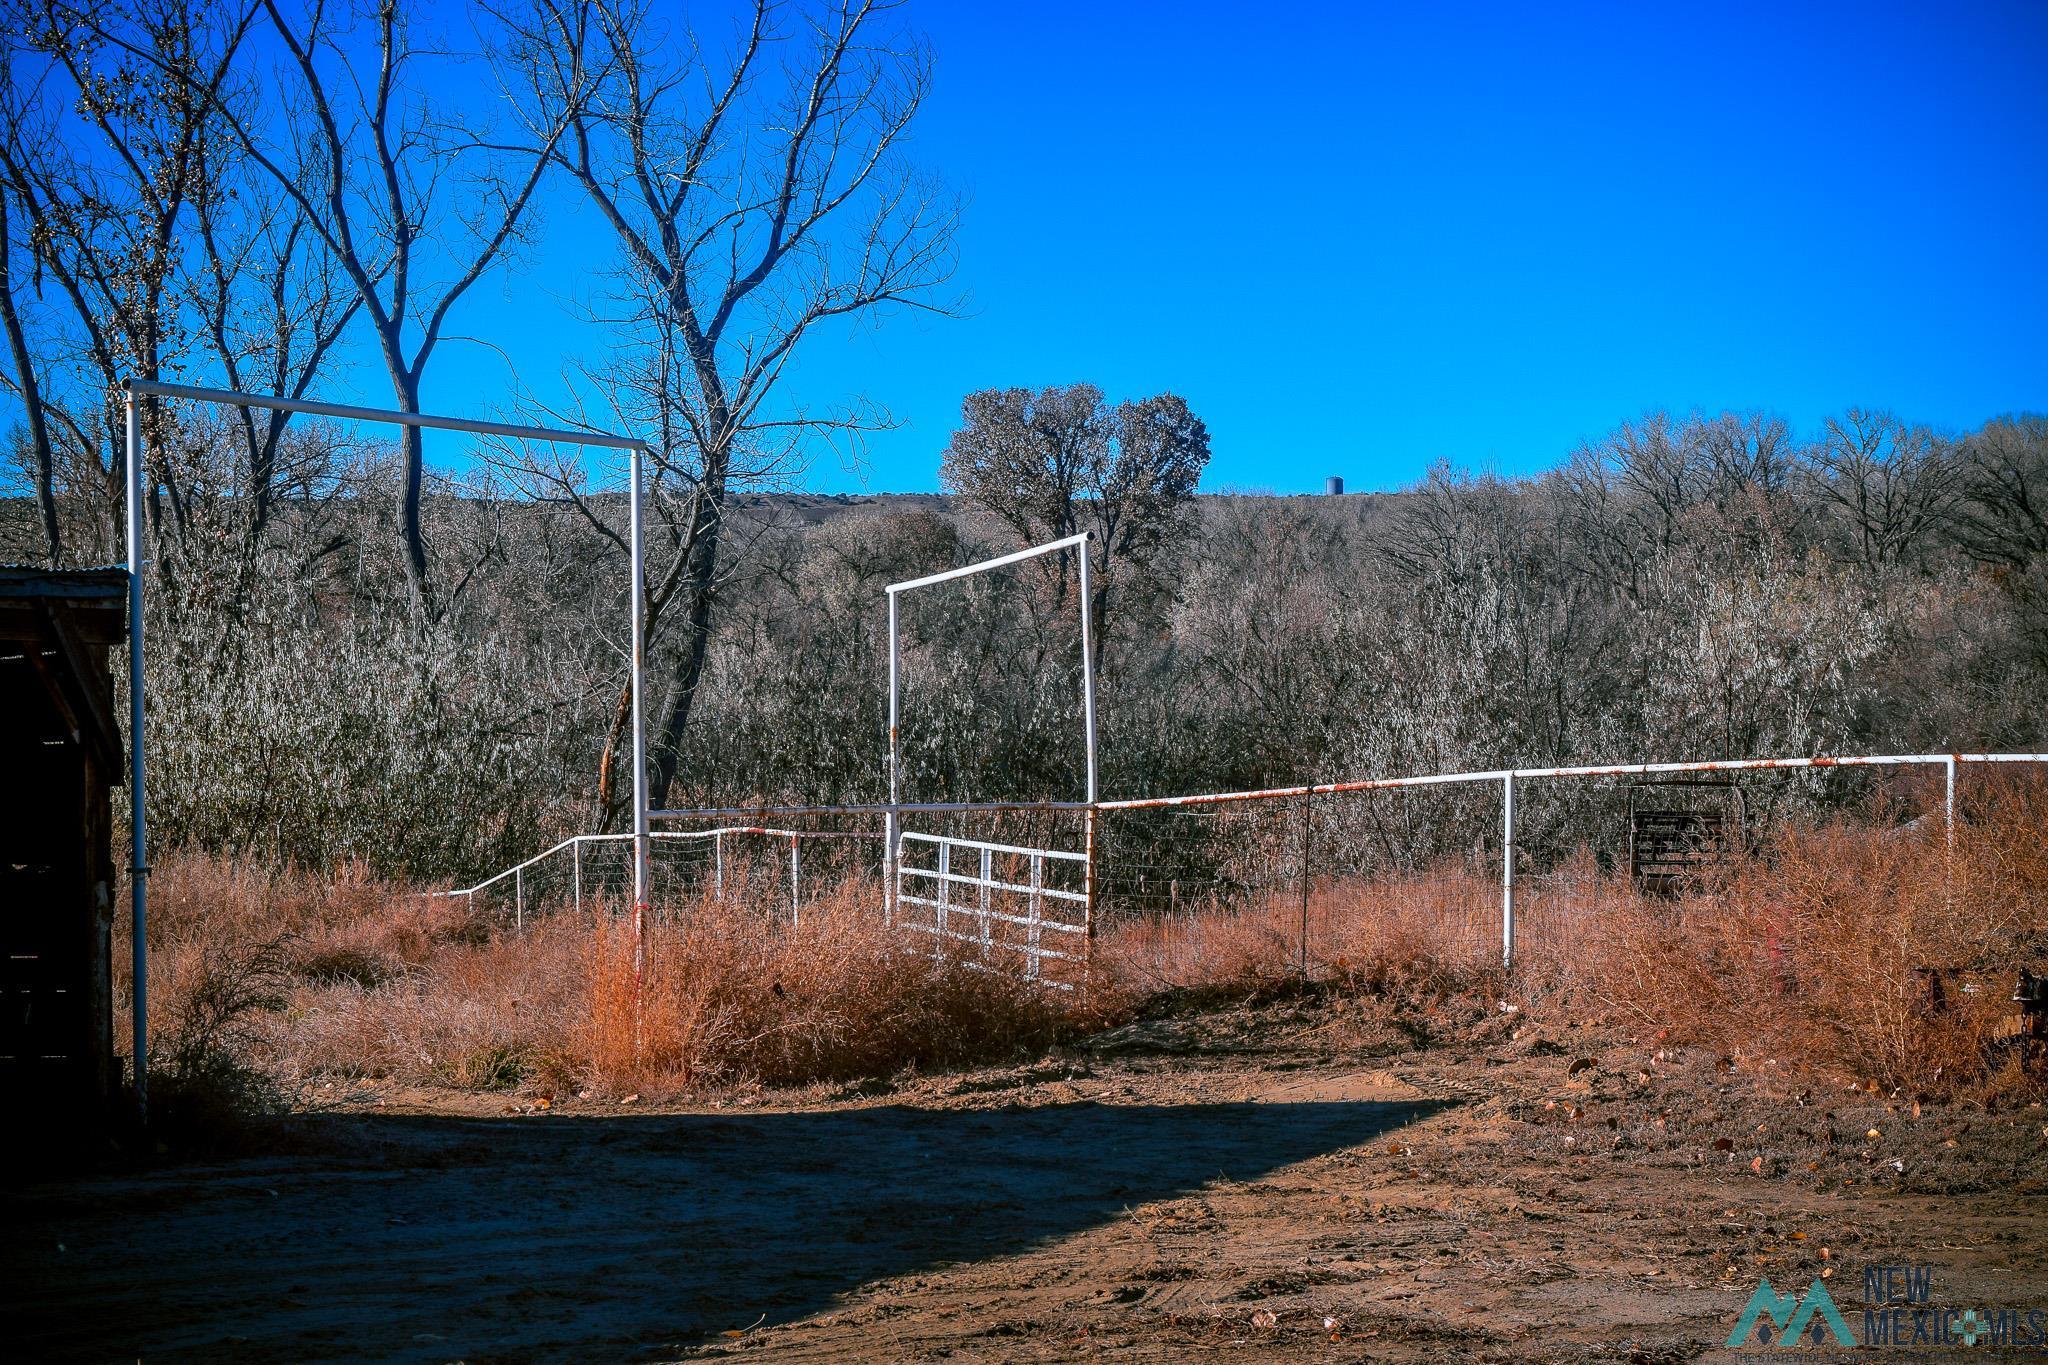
[(57, 873)]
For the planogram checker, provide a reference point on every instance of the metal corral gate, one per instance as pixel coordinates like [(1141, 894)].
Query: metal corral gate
[(1037, 924)]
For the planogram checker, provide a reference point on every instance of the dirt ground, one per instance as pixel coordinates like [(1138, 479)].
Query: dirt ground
[(1301, 1180)]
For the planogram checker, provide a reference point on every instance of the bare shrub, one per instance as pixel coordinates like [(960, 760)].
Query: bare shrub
[(1860, 947), (728, 993), (207, 1087), (1863, 947), (295, 979)]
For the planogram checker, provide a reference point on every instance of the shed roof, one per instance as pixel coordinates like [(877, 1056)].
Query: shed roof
[(54, 624), (33, 580)]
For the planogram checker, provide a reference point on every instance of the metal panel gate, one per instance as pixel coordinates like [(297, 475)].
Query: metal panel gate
[(1010, 908)]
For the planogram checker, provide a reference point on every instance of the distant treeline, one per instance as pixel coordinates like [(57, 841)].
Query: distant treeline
[(1686, 587)]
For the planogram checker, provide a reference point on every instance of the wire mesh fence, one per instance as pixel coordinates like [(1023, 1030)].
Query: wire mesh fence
[(1307, 882)]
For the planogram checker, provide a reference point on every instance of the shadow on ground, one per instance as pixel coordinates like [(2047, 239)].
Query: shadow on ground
[(436, 1238)]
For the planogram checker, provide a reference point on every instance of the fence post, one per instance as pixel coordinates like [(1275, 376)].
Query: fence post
[(518, 897), (892, 823), (1088, 904), (793, 888), (1507, 871), (1088, 719), (945, 884), (1306, 802), (987, 869), (1948, 816), (1948, 808), (576, 871), (1031, 928)]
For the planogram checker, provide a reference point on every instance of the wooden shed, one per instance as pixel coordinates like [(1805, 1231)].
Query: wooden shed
[(60, 755)]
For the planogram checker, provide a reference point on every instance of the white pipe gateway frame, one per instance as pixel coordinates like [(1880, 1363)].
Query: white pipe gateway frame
[(893, 870), (138, 871)]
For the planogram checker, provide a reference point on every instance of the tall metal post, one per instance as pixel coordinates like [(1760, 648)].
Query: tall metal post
[(642, 840), (891, 822), (576, 871), (794, 904), (1948, 819), (1507, 871), (138, 860), (1306, 803), (1948, 805), (1088, 727)]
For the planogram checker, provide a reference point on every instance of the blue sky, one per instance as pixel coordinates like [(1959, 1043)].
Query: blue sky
[(1359, 238)]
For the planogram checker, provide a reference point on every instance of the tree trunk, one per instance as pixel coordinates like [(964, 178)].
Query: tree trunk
[(412, 452), (666, 755), (405, 390), (609, 806), (31, 401)]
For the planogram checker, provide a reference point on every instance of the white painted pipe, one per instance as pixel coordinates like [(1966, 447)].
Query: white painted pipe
[(138, 857)]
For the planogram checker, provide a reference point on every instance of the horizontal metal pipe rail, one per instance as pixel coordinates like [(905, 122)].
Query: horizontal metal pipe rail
[(156, 388), (577, 839), (1358, 785), (995, 884), (1060, 855), (1589, 770), (983, 566), (975, 912), (873, 808)]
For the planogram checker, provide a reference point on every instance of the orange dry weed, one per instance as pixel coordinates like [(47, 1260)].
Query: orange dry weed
[(1859, 947)]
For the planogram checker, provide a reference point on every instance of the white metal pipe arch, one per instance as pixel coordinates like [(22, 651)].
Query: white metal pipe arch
[(138, 872)]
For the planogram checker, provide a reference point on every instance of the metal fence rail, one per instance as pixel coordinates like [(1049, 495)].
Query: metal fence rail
[(1033, 908), (592, 867), (1508, 778)]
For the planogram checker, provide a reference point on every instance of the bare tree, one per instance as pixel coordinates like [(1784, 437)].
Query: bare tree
[(756, 194), (1624, 498), (2004, 514), (1060, 461), (104, 166), (1894, 483), (269, 305), (42, 460), (413, 196)]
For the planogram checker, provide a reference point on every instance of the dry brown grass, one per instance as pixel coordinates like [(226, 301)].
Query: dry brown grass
[(299, 980), (729, 994), (1437, 930), (1812, 955), (1859, 946)]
